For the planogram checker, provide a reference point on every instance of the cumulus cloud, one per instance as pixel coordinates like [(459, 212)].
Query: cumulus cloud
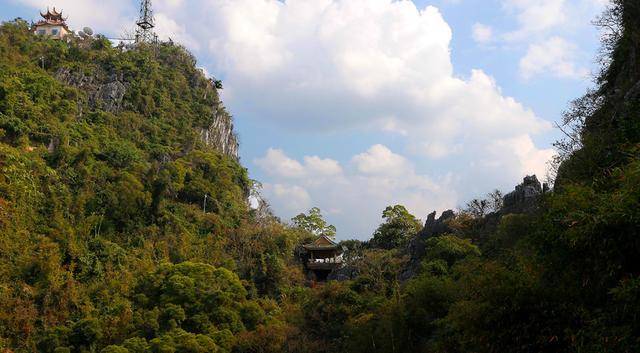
[(481, 33), (323, 167), (168, 28), (276, 163), (354, 195), (379, 160), (526, 157), (540, 24), (554, 55), (355, 65), (336, 65), (535, 16), (292, 198)]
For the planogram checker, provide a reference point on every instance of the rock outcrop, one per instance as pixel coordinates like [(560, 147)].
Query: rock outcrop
[(523, 199), (220, 134), (416, 249), (525, 196), (432, 227), (106, 95)]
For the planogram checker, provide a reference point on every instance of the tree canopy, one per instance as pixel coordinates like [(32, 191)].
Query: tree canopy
[(314, 223), (105, 246), (398, 227)]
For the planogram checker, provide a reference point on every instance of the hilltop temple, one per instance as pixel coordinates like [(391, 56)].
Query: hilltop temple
[(52, 25)]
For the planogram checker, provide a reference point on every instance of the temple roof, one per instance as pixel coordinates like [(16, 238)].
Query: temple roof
[(53, 18), (322, 243), (52, 15)]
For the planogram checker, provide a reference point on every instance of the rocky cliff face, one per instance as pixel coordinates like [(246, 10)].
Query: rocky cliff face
[(108, 95), (102, 94), (525, 196), (220, 134)]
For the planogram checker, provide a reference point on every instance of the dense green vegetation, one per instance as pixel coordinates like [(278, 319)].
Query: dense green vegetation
[(105, 245), (103, 238)]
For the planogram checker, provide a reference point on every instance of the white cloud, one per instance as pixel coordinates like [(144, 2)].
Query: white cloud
[(379, 160), (540, 18), (391, 125), (168, 28), (171, 3), (540, 23), (349, 66), (554, 55), (481, 33), (353, 197), (526, 156), (437, 150), (322, 167), (360, 64), (276, 163), (535, 16), (294, 198)]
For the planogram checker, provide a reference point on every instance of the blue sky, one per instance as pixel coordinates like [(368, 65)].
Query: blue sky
[(352, 105)]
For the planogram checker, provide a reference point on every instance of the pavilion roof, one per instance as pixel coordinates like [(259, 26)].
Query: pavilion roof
[(53, 18), (322, 243)]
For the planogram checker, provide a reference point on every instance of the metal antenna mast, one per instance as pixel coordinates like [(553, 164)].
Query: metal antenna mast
[(144, 32)]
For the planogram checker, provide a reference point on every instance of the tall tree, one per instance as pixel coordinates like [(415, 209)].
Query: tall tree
[(314, 223), (398, 226)]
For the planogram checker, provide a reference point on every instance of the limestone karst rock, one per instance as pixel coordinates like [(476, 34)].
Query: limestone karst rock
[(102, 94), (109, 95), (525, 196), (220, 134)]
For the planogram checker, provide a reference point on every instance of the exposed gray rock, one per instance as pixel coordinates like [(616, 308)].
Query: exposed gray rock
[(220, 134), (432, 227), (525, 196), (439, 226), (53, 144), (107, 95)]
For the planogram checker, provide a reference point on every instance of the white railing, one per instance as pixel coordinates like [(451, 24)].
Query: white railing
[(331, 260)]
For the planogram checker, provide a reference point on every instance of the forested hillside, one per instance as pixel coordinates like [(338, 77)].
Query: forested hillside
[(125, 225), (123, 208)]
